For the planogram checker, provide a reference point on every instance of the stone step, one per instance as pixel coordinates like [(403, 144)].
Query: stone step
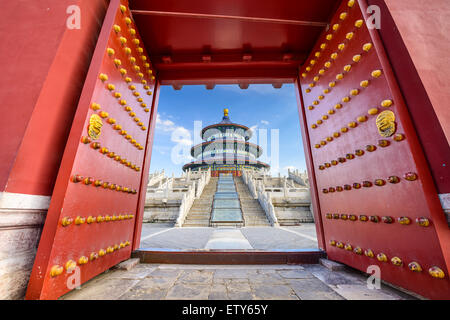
[(199, 217), (200, 212), (257, 222), (191, 222), (253, 209), (252, 212)]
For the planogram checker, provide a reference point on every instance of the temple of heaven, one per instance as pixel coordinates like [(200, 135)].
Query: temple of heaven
[(226, 149)]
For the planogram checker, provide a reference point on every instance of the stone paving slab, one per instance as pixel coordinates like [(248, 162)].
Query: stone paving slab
[(179, 238), (267, 267), (127, 264), (182, 291), (249, 282), (313, 289), (218, 292), (227, 239), (196, 277), (139, 272), (151, 228), (151, 294), (266, 238), (295, 274), (159, 283), (262, 238), (233, 273), (351, 283), (172, 273), (107, 289), (305, 228), (274, 292), (361, 292), (267, 277)]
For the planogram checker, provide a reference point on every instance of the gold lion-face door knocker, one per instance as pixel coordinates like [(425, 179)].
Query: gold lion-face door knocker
[(386, 123), (95, 126)]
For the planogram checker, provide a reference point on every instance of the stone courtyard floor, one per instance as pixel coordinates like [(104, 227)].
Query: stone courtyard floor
[(231, 282), (260, 238), (243, 282)]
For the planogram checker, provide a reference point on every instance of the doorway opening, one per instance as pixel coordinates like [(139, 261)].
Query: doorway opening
[(228, 171)]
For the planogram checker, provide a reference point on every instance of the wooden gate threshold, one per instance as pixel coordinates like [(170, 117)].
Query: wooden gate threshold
[(230, 257)]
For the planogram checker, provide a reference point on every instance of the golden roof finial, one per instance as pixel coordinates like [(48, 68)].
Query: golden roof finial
[(225, 112)]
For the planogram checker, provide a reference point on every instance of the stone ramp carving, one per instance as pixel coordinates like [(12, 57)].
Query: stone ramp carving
[(226, 206)]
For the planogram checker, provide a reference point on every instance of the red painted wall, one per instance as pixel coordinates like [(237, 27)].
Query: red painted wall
[(44, 67), (415, 35)]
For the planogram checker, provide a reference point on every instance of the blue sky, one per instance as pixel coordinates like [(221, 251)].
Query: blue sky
[(258, 107)]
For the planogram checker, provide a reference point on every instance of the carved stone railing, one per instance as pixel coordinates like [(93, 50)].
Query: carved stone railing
[(257, 190), (300, 178), (194, 191), (265, 201), (155, 177), (250, 182), (186, 204), (202, 182), (300, 193), (165, 193)]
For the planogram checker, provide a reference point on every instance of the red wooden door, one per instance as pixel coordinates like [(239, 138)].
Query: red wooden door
[(377, 201), (94, 217)]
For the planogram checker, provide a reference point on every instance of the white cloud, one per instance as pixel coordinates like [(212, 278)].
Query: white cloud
[(181, 136), (265, 122), (180, 153), (289, 168), (164, 125), (161, 149)]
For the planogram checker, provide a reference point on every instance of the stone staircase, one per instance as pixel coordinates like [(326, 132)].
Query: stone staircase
[(293, 216), (200, 213), (292, 212), (253, 214)]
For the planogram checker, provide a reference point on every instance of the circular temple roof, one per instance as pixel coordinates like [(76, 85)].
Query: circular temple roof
[(227, 124)]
